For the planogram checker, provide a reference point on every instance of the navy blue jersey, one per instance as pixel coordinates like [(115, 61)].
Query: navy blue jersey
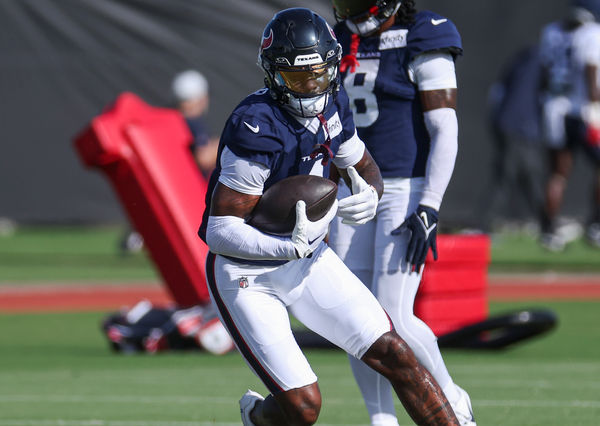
[(556, 54), (199, 131), (260, 131), (385, 103)]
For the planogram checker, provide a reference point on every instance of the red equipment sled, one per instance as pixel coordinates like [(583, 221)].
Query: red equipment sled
[(144, 152), (453, 291)]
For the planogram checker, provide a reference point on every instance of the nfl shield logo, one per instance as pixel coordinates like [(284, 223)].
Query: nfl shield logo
[(243, 282)]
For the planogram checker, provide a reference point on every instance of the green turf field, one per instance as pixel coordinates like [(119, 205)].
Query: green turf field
[(75, 254), (70, 254), (57, 370)]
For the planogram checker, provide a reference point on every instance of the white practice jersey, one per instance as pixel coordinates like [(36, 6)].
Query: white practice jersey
[(565, 55)]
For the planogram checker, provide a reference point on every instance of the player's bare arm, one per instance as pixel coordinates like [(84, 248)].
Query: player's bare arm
[(228, 202), (441, 98), (369, 171), (591, 72)]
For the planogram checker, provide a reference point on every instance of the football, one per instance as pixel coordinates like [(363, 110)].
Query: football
[(275, 212)]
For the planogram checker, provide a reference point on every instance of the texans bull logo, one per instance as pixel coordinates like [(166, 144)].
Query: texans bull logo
[(267, 41)]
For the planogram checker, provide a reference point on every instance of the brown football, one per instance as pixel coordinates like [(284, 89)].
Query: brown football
[(275, 212)]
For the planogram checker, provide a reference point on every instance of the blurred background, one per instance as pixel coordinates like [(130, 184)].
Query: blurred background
[(64, 61)]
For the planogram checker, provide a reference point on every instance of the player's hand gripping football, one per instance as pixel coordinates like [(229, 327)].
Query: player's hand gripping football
[(360, 207), (422, 225), (307, 235)]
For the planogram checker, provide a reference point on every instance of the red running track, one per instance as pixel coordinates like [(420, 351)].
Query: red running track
[(99, 296)]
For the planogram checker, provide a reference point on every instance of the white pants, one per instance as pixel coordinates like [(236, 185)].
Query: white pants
[(320, 291), (554, 111), (378, 259)]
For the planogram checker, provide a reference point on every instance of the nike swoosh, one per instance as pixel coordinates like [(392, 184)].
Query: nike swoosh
[(254, 129), (428, 230), (310, 243), (424, 219), (438, 21)]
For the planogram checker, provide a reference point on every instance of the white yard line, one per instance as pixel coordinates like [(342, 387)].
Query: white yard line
[(127, 399)]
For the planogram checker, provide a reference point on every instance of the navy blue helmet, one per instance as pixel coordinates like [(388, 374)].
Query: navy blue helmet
[(300, 55)]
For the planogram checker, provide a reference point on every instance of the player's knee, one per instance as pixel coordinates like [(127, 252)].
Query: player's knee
[(305, 415), (302, 406), (391, 356)]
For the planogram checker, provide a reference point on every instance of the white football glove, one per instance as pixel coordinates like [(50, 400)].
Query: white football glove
[(360, 207), (307, 235), (591, 113)]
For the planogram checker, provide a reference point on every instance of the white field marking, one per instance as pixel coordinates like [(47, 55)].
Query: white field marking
[(222, 400), (537, 384), (114, 399), (536, 404), (97, 422), (556, 367), (147, 399)]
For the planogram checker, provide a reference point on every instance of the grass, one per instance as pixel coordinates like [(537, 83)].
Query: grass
[(512, 252), (70, 254), (57, 370), (76, 254)]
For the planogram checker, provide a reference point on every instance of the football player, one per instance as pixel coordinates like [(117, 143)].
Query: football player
[(570, 55), (398, 70), (300, 123)]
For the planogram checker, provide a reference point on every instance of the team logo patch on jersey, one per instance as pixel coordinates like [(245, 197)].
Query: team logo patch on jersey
[(334, 125), (393, 39), (243, 282)]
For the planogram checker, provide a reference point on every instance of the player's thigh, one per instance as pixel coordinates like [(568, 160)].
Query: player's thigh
[(400, 199), (394, 282), (339, 307), (259, 324), (554, 111)]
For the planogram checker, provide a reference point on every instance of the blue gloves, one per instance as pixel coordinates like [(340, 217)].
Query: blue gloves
[(422, 225)]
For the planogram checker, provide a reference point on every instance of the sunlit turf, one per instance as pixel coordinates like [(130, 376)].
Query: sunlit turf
[(80, 253), (57, 369), (519, 252), (69, 254)]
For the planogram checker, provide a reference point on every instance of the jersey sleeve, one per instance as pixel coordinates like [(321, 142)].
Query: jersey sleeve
[(242, 175), (251, 137), (433, 32), (350, 152), (433, 71), (545, 45), (587, 46)]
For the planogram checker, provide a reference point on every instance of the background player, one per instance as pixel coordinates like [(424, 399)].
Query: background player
[(191, 92), (299, 124), (570, 55), (398, 70)]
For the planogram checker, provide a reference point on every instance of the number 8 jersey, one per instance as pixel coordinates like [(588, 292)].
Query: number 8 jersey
[(384, 101)]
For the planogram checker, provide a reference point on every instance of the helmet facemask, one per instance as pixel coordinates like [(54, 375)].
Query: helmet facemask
[(304, 91), (368, 22)]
